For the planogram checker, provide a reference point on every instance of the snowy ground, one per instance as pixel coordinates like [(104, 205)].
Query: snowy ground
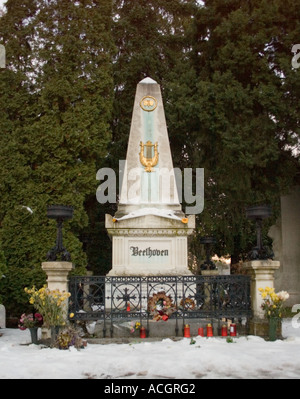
[(247, 357)]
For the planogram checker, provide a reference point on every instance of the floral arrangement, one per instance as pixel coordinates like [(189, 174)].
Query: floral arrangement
[(50, 304), (187, 304), (135, 326), (160, 306), (31, 320), (272, 302), (69, 336)]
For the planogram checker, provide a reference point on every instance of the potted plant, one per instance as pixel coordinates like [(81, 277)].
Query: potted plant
[(272, 306), (31, 321)]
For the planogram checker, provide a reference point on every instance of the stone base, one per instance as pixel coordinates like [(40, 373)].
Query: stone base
[(161, 329), (57, 274), (262, 275), (150, 245), (210, 272), (260, 327)]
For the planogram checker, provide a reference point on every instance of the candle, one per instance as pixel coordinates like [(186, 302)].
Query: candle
[(187, 332), (142, 332), (201, 331), (224, 330), (209, 330), (233, 330)]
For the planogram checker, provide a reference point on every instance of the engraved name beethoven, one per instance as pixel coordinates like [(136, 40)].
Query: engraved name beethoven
[(148, 252)]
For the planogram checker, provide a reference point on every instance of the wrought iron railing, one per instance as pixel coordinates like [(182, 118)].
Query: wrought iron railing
[(115, 299)]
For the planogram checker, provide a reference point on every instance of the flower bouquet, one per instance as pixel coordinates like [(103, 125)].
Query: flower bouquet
[(50, 304), (272, 306), (135, 326), (272, 302), (32, 320)]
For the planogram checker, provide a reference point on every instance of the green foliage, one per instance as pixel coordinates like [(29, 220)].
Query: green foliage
[(3, 273), (15, 299), (55, 126), (27, 235), (237, 112)]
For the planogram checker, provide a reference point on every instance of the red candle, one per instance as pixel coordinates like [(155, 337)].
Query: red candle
[(142, 332), (233, 330), (209, 330), (201, 331), (187, 332), (224, 330), (128, 307)]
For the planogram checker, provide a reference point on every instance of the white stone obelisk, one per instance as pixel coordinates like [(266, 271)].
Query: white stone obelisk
[(149, 231)]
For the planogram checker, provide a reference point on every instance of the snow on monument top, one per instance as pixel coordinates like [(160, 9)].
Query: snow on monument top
[(148, 81)]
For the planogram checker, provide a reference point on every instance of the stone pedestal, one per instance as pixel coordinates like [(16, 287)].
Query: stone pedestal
[(150, 245), (57, 273), (2, 317), (262, 275)]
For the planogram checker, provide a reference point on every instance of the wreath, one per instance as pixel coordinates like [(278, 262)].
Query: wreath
[(160, 306), (187, 304)]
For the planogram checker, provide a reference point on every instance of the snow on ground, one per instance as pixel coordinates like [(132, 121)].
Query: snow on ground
[(247, 357)]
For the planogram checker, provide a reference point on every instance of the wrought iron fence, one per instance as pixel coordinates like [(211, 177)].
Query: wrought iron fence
[(115, 299)]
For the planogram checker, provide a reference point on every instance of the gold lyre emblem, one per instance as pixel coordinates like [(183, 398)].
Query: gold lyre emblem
[(150, 158)]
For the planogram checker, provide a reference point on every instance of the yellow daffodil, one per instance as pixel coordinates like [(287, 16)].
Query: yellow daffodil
[(272, 302), (49, 303)]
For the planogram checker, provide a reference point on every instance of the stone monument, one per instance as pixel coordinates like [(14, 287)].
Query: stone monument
[(285, 234), (149, 231), (2, 316)]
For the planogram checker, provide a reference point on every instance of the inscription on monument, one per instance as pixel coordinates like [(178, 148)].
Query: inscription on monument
[(149, 252)]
